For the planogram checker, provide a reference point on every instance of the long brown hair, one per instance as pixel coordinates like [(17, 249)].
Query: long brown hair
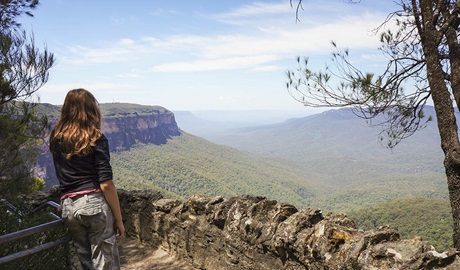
[(79, 125)]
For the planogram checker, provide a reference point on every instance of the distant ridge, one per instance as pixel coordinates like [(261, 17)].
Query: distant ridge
[(346, 154), (333, 159), (208, 123), (334, 133), (330, 160)]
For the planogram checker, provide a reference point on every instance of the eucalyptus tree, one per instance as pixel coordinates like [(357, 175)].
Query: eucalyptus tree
[(423, 52), (24, 68)]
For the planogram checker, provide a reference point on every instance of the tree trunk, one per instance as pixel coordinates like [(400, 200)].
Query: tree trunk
[(444, 106), (450, 145), (452, 161), (453, 182)]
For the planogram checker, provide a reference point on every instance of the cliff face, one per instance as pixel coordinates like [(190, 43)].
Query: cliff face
[(123, 130), (130, 128), (252, 233)]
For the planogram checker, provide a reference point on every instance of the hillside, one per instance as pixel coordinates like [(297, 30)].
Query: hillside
[(149, 151), (187, 165), (345, 154), (404, 188), (426, 217), (208, 123), (332, 161)]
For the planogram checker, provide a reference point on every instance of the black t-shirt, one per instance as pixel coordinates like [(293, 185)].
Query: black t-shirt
[(82, 172)]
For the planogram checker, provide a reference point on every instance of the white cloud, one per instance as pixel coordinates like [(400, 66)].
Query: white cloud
[(150, 39), (80, 55), (254, 48), (373, 56), (119, 21), (164, 12), (256, 9), (267, 68), (54, 88), (225, 98), (238, 51), (127, 41), (129, 75), (134, 52), (215, 64)]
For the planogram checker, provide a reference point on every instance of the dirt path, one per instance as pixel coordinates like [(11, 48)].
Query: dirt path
[(136, 256)]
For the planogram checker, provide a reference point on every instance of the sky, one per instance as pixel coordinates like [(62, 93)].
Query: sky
[(197, 55)]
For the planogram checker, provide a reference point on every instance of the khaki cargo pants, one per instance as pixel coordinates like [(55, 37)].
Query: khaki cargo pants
[(91, 224)]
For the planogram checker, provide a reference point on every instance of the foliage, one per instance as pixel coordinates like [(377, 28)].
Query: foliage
[(14, 219), (422, 51), (187, 165), (345, 85), (37, 183), (339, 154), (12, 9), (18, 150), (428, 218), (23, 69)]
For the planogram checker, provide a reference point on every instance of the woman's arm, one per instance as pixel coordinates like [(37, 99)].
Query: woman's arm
[(111, 195)]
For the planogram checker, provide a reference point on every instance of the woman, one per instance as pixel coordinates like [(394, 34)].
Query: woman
[(90, 205)]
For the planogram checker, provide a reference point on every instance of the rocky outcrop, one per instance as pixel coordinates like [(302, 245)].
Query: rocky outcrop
[(147, 124), (256, 233), (248, 232), (128, 129)]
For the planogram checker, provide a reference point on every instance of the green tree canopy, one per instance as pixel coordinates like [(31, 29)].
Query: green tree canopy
[(23, 70)]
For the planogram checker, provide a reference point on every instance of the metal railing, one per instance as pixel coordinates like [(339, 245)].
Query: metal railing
[(36, 243)]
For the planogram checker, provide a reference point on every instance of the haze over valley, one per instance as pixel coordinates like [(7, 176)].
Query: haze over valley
[(330, 160), (344, 153)]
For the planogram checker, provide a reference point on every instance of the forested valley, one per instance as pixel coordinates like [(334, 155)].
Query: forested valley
[(408, 194), (331, 161), (188, 164)]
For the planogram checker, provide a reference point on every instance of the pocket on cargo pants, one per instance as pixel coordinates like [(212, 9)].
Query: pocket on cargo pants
[(102, 239)]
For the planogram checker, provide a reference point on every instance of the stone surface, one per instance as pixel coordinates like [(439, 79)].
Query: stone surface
[(249, 232)]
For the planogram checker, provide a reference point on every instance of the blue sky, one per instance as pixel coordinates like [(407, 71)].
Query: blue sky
[(197, 55)]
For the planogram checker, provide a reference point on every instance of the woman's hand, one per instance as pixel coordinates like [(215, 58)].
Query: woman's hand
[(120, 230), (111, 195)]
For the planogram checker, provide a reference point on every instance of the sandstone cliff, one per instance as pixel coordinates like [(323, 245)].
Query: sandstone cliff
[(127, 129), (124, 126), (254, 233)]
